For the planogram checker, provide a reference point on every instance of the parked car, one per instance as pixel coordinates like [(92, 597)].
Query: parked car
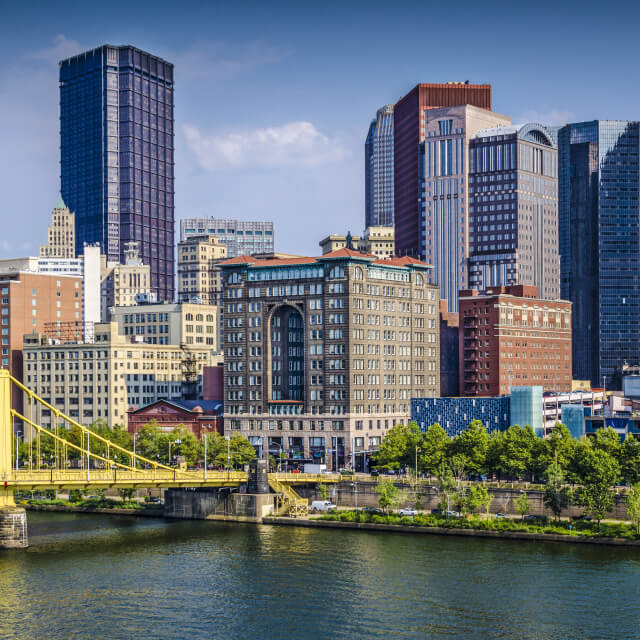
[(532, 518), (373, 511), (408, 512), (501, 515), (374, 473), (323, 505), (389, 472)]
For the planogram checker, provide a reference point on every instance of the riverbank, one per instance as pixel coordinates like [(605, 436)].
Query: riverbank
[(449, 531), (144, 512)]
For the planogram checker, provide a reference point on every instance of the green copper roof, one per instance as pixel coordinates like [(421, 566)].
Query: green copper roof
[(61, 204)]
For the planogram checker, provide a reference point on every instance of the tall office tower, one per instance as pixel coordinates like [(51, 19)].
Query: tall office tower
[(442, 200), (408, 132), (61, 239), (599, 229), (241, 237), (378, 170), (116, 148), (199, 275), (325, 353), (513, 209)]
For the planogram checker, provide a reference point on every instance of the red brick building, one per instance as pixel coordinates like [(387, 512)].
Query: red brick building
[(510, 337), (407, 135), (196, 415)]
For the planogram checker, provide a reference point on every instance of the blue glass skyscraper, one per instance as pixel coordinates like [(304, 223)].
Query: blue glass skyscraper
[(599, 235), (117, 155), (378, 170)]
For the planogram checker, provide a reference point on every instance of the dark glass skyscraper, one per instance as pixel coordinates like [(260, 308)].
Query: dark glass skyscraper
[(378, 170), (116, 155), (599, 234)]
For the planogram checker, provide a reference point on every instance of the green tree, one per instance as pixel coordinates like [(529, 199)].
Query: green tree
[(478, 498), (150, 440), (241, 451), (516, 456), (446, 486), (557, 448), (522, 504), (127, 494), (322, 488), (557, 497), (633, 506), (577, 469), (388, 494), (601, 474), (607, 440), (458, 466), (183, 443), (630, 461), (398, 447), (473, 444), (433, 449)]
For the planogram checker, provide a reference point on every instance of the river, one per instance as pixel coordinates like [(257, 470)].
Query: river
[(119, 577)]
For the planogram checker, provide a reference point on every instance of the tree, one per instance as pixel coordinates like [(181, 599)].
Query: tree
[(522, 504), (601, 473), (607, 440), (433, 449), (240, 450), (630, 461), (577, 469), (557, 497), (127, 494), (398, 447), (150, 440), (184, 443), (516, 455), (446, 486), (388, 494), (478, 498), (322, 488), (557, 448), (472, 444), (633, 506)]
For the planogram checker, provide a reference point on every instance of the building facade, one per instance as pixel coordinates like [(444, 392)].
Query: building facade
[(241, 237), (102, 379), (409, 119), (117, 155), (513, 209), (199, 276), (599, 230), (61, 235), (376, 241), (449, 351), (335, 241), (378, 170), (182, 323), (511, 338), (443, 201), (322, 355), (124, 285), (197, 416)]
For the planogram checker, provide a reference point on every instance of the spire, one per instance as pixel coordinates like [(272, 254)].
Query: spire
[(61, 204)]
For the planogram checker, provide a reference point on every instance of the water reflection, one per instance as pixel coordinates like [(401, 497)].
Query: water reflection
[(122, 577)]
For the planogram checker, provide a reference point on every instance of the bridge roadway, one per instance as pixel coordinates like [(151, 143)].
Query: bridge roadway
[(25, 480)]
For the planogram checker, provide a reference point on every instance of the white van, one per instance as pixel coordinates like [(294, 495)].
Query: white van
[(322, 505)]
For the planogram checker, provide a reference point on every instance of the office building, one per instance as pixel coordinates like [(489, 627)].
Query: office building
[(199, 277), (376, 241), (513, 209), (102, 379), (510, 338), (322, 355), (241, 237), (117, 155), (443, 202), (61, 235), (183, 323), (409, 120), (123, 285), (378, 170), (599, 229), (449, 351)]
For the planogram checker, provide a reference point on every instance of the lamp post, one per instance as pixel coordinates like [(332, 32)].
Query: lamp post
[(178, 442), (228, 439), (205, 455), (355, 493)]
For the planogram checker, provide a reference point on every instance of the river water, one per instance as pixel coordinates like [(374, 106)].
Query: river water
[(118, 577)]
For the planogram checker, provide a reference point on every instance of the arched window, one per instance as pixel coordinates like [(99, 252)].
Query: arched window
[(189, 317), (199, 317), (336, 272), (358, 274), (419, 280), (209, 317)]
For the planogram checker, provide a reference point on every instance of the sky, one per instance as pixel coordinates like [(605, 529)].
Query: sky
[(274, 99)]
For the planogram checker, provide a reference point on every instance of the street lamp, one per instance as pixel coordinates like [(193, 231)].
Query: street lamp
[(355, 492), (178, 442), (228, 439)]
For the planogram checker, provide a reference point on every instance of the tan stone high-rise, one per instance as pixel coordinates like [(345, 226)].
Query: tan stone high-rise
[(324, 354), (61, 234), (198, 273)]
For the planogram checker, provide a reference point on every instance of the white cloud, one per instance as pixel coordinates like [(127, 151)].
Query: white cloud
[(291, 144), (60, 48), (552, 117)]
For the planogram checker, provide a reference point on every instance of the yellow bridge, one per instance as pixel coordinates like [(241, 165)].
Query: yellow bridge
[(101, 471)]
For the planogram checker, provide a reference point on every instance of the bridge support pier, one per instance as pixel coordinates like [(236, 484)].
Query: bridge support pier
[(13, 526)]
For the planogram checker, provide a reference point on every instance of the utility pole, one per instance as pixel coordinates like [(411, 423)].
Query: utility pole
[(205, 456)]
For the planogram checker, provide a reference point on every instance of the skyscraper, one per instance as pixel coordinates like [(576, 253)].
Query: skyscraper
[(116, 148), (442, 193), (378, 170), (241, 237), (599, 230), (513, 209), (408, 132)]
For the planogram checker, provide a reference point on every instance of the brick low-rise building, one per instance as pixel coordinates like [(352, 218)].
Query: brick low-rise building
[(509, 337), (323, 355)]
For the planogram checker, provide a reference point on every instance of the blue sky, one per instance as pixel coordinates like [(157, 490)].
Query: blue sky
[(273, 100)]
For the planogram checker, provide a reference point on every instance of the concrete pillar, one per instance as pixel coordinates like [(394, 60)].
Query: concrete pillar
[(258, 478), (13, 528)]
